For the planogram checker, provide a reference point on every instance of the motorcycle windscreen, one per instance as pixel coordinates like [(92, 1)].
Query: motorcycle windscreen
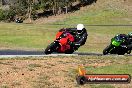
[(58, 34)]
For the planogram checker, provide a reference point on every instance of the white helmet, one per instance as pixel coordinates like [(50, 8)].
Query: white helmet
[(80, 26)]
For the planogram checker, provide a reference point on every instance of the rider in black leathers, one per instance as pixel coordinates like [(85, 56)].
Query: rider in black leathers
[(130, 40), (127, 42), (80, 34)]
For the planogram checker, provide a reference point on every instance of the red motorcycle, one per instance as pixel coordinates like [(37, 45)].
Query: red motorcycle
[(61, 44)]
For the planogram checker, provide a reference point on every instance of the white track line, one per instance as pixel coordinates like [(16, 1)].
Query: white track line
[(50, 55)]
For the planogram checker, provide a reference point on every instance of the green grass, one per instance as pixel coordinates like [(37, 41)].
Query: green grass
[(112, 69), (25, 35), (38, 36), (97, 17), (29, 36), (102, 86), (110, 12), (111, 64)]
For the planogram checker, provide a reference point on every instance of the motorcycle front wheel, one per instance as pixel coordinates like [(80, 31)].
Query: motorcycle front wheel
[(52, 47), (106, 50), (129, 52)]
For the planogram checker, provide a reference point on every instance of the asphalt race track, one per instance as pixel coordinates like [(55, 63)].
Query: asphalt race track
[(23, 53)]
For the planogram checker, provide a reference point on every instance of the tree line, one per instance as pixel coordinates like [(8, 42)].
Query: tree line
[(34, 9)]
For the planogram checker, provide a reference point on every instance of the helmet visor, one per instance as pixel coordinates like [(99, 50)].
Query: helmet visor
[(79, 31)]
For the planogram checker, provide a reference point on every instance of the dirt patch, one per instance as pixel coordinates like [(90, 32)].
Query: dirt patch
[(47, 72), (33, 73)]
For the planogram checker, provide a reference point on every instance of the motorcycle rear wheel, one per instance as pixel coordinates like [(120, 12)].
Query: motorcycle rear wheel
[(129, 52)]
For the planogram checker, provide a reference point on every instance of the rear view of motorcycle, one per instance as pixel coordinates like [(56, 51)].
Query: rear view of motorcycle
[(117, 46)]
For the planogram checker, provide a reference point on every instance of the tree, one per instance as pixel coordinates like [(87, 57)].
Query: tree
[(28, 8)]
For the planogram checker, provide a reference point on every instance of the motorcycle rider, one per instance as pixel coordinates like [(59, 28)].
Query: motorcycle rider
[(130, 36), (127, 42), (80, 34), (130, 40), (125, 39)]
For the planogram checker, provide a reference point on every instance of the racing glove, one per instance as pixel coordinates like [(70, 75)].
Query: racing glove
[(74, 44), (124, 46)]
